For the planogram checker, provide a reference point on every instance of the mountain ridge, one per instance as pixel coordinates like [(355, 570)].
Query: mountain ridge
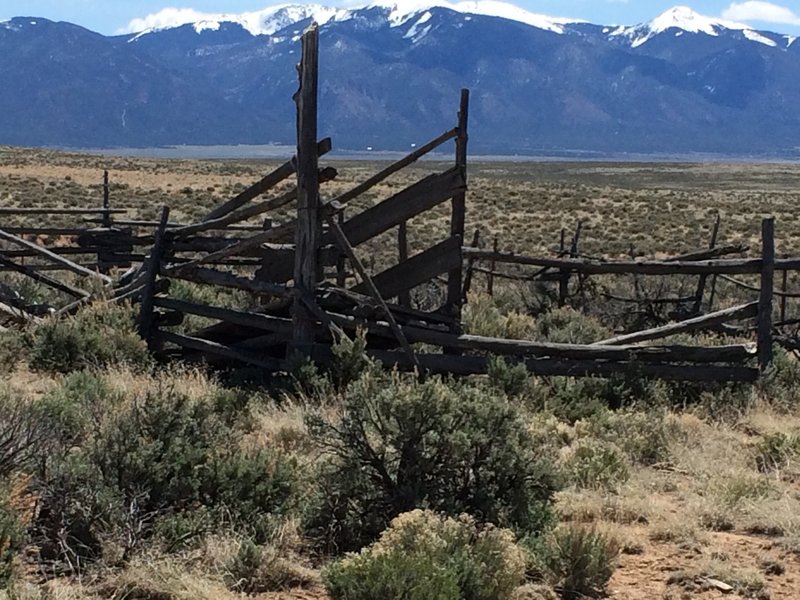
[(390, 78)]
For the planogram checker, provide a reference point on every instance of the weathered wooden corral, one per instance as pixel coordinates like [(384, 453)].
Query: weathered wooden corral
[(309, 276)]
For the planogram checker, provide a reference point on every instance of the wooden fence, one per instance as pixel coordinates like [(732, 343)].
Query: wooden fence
[(309, 275)]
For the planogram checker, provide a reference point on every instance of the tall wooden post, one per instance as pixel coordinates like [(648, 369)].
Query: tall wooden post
[(106, 201), (765, 298), (308, 232), (459, 205), (492, 267), (152, 269), (784, 287)]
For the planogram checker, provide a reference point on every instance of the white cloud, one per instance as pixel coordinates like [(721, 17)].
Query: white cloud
[(765, 12), (167, 17)]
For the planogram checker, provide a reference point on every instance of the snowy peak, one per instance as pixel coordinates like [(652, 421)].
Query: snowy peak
[(274, 18), (683, 19)]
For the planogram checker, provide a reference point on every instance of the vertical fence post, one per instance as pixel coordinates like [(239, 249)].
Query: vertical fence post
[(106, 201), (402, 251), (145, 322), (701, 283), (476, 243), (492, 267), (341, 264), (784, 286), (307, 234), (457, 224), (765, 298)]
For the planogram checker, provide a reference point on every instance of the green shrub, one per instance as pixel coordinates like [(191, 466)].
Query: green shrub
[(776, 451), (510, 379), (577, 561), (594, 464), (98, 336), (642, 436), (401, 444), (427, 556), (483, 316), (11, 536), (155, 455), (569, 326)]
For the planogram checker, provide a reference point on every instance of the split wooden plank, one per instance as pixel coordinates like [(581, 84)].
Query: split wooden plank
[(671, 353), (265, 184), (237, 317), (737, 313), (33, 273), (423, 195), (251, 211), (396, 166), (216, 349), (418, 269), (221, 278), (653, 267), (51, 256), (547, 367)]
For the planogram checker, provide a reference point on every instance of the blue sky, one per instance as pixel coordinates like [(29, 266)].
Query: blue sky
[(110, 16)]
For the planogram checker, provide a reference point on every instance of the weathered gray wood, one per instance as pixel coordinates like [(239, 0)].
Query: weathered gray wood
[(653, 267), (341, 260), (784, 285), (145, 321), (550, 367), (325, 174), (492, 267), (214, 348), (347, 248), (309, 228), (502, 346), (423, 195), (396, 166), (470, 274), (765, 296), (44, 252), (25, 230), (32, 272), (265, 184), (418, 269), (755, 288), (237, 317), (403, 297), (11, 210), (737, 313), (455, 291), (106, 201), (212, 277), (701, 283), (234, 249)]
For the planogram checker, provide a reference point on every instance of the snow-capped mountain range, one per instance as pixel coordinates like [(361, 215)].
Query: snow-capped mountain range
[(390, 75)]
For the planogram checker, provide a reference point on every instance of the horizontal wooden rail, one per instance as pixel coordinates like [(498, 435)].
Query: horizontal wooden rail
[(47, 254), (743, 266), (551, 367), (10, 210), (502, 346), (237, 317), (737, 313), (212, 277), (208, 347)]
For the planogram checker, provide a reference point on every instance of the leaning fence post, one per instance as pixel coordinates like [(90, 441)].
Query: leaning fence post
[(701, 283), (308, 229), (784, 286), (145, 322), (765, 297)]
